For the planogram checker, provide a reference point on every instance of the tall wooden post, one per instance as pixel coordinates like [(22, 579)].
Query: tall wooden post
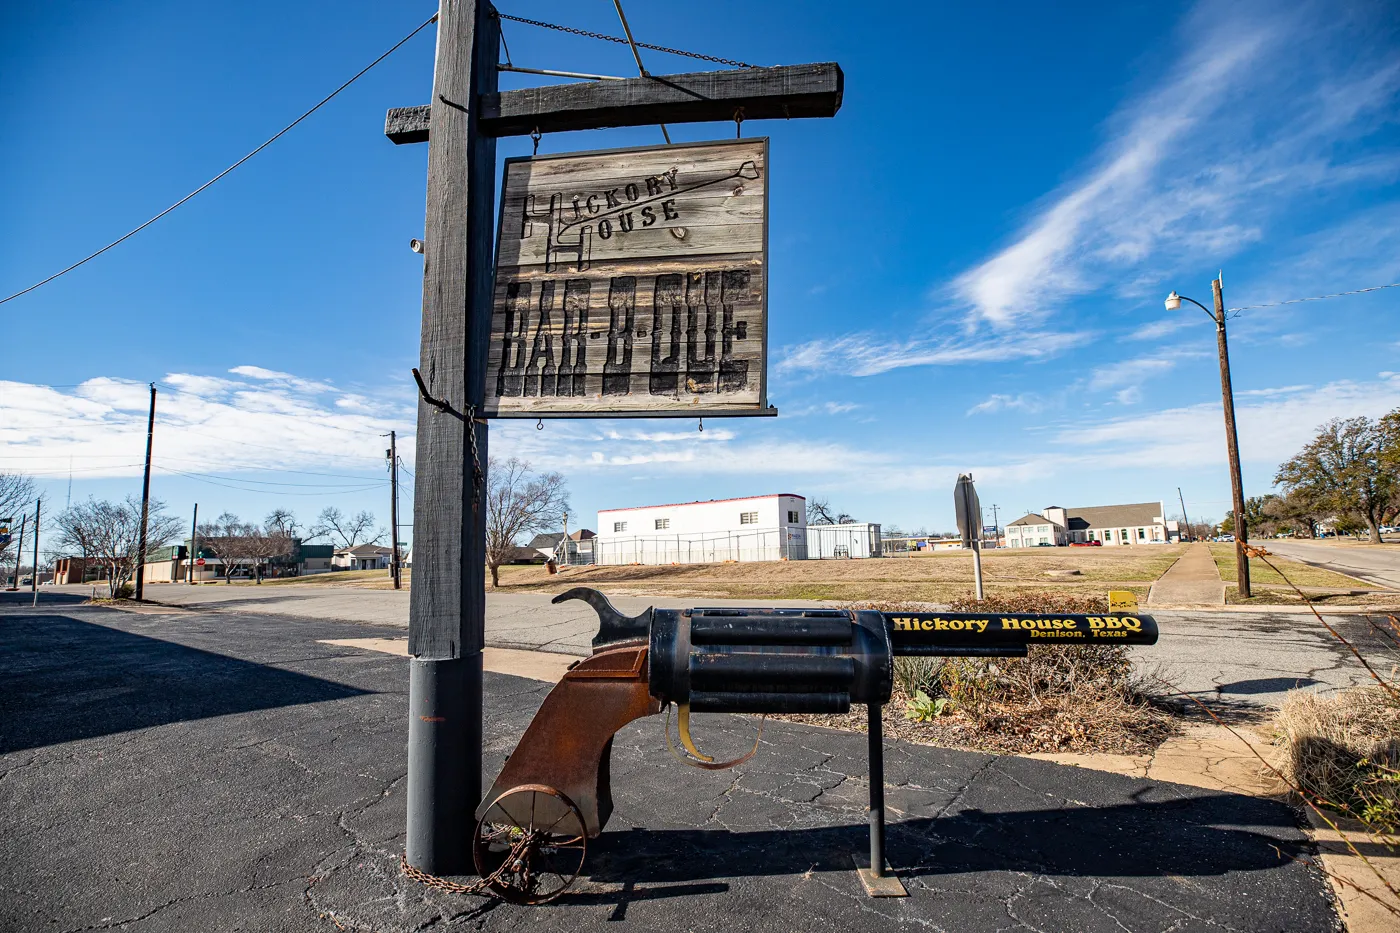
[(447, 608), (194, 542), (394, 508), (34, 577), (19, 551), (1232, 441), (145, 499)]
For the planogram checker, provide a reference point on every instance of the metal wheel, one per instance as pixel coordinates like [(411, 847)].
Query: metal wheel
[(530, 844)]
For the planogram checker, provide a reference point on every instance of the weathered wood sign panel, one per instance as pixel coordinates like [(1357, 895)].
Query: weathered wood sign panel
[(632, 281)]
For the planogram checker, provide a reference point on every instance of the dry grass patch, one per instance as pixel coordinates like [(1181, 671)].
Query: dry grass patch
[(1056, 699), (934, 578), (1343, 751)]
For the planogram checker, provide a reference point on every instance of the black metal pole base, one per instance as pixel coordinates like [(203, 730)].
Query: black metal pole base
[(876, 880), (444, 763)]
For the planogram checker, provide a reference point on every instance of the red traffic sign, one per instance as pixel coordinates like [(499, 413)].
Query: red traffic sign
[(199, 562)]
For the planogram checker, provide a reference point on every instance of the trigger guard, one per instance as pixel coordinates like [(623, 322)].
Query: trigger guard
[(707, 764)]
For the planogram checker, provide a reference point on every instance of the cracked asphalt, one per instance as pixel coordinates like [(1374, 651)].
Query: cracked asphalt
[(224, 771)]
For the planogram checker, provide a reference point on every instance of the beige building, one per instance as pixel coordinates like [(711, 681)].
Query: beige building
[(1110, 525)]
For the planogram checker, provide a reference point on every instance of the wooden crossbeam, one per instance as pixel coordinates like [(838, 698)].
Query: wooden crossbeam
[(782, 92)]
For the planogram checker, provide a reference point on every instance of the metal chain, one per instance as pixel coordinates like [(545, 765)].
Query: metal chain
[(476, 454), (598, 35), (480, 887)]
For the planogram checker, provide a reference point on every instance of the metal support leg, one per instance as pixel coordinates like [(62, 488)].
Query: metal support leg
[(877, 881), (444, 762)]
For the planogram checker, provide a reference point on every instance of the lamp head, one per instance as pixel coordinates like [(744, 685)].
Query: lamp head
[(1173, 301)]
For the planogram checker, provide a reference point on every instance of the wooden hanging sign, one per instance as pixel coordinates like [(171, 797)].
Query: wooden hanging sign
[(632, 282)]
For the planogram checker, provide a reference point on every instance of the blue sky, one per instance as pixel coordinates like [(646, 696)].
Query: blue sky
[(968, 261)]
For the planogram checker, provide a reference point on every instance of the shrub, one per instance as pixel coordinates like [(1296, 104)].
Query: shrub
[(124, 591)]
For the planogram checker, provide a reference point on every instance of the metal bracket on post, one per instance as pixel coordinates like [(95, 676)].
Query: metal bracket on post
[(877, 880)]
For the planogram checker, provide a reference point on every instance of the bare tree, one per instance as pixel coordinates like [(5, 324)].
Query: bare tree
[(110, 533), (346, 531), (264, 545), (228, 537), (519, 502), (819, 512), (16, 492), (282, 522)]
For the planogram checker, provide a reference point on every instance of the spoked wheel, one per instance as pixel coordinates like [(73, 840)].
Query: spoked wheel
[(530, 844)]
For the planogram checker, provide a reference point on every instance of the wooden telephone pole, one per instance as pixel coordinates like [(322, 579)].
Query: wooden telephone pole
[(394, 566), (1232, 441), (447, 607), (145, 498)]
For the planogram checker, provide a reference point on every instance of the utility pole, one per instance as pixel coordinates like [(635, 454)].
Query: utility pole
[(1227, 393), (145, 498), (393, 452), (19, 551), (194, 541), (996, 525), (34, 577), (447, 605), (1182, 499)]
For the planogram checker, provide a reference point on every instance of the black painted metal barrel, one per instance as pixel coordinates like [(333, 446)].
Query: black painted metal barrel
[(769, 660), (823, 660)]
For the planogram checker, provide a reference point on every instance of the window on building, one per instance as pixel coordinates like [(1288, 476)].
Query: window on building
[(619, 526), (1122, 535), (662, 523), (748, 518), (793, 518), (1142, 534)]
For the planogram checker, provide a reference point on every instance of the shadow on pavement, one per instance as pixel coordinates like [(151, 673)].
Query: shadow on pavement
[(1212, 835), (63, 679)]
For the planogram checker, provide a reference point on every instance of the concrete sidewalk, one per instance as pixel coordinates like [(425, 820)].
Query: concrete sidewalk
[(230, 771), (1193, 582)]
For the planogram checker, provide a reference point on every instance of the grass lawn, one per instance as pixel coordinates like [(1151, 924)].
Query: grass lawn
[(936, 577), (1299, 573)]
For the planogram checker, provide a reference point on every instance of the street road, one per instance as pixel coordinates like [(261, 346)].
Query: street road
[(228, 770), (1249, 659), (1378, 565)]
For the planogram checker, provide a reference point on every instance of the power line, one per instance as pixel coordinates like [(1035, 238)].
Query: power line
[(325, 100), (606, 38), (1294, 301), (336, 492)]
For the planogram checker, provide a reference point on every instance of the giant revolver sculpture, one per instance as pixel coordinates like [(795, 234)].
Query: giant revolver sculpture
[(553, 794)]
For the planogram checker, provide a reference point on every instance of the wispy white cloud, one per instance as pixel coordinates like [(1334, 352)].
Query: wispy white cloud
[(1243, 127), (868, 354), (203, 424), (1271, 429), (1028, 402)]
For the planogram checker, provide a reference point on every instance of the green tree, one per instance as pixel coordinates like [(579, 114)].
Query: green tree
[(1349, 467), (1295, 512), (1256, 516)]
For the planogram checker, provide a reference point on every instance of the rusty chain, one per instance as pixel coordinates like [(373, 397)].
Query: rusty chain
[(598, 35), (480, 887)]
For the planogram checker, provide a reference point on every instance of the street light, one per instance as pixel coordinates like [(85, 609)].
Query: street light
[(1232, 441)]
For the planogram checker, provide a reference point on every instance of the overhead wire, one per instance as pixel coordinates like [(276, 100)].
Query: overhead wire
[(278, 135), (1294, 301), (606, 38)]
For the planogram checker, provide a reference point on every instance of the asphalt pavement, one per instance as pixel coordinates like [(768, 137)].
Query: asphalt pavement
[(228, 771), (1378, 565), (1246, 659)]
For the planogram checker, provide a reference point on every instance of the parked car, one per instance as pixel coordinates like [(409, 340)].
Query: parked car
[(1086, 544)]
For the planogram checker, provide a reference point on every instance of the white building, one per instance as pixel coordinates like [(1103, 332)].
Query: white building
[(1134, 523), (754, 528), (362, 557)]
